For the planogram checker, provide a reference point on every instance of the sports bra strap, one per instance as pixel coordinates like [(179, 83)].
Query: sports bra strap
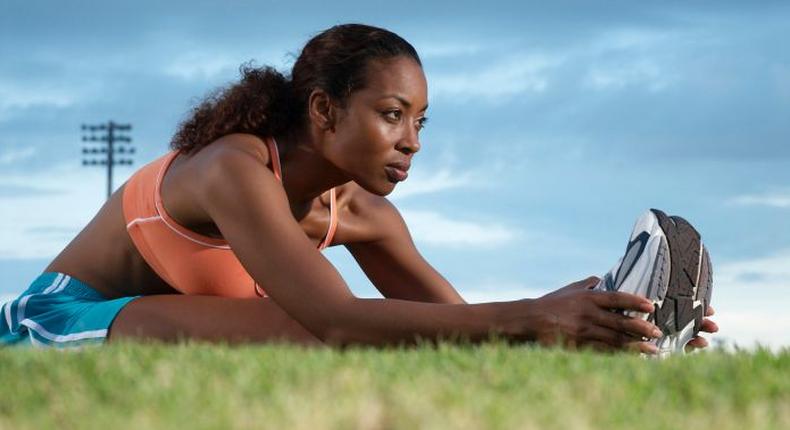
[(274, 154), (332, 220)]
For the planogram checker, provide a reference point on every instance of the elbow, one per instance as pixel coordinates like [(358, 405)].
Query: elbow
[(334, 337), (337, 336), (335, 328)]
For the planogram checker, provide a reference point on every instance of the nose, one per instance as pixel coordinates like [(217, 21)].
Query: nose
[(410, 142)]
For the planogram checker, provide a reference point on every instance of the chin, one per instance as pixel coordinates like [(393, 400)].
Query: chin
[(380, 190), (385, 191)]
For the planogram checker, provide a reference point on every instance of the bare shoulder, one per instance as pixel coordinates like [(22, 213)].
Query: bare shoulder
[(233, 148), (231, 161), (235, 166)]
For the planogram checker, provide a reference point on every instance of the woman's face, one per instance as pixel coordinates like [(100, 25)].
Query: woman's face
[(377, 133)]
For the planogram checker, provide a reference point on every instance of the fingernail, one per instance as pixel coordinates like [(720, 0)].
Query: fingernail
[(652, 348), (657, 332), (648, 307)]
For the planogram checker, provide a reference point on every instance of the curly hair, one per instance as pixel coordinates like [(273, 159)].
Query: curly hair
[(267, 103)]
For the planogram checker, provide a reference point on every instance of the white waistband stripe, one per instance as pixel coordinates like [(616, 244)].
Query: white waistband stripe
[(54, 283), (89, 334)]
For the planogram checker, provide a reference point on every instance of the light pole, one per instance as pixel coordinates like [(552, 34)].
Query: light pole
[(106, 146)]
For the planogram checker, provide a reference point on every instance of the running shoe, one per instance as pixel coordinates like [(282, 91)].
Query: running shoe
[(666, 262)]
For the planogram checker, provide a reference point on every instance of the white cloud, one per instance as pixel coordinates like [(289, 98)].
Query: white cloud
[(750, 327), (770, 273), (617, 59), (776, 199), (68, 90), (18, 95), (626, 58), (434, 228), (499, 291), (617, 75), (508, 77), (751, 298), (210, 64), (631, 39), (446, 178), (442, 50), (629, 58), (15, 155), (200, 65), (39, 226)]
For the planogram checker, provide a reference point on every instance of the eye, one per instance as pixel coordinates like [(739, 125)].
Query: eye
[(394, 115), (421, 123)]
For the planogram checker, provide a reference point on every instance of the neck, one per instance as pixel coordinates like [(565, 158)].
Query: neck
[(306, 174)]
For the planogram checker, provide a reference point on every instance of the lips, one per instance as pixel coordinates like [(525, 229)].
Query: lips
[(397, 172)]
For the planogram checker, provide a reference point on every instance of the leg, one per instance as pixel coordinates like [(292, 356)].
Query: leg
[(171, 318)]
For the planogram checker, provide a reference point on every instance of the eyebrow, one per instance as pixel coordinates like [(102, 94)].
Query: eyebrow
[(403, 101)]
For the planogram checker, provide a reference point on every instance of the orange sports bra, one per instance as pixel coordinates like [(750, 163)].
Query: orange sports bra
[(190, 262)]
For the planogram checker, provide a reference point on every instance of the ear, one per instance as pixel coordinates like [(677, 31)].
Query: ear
[(321, 110)]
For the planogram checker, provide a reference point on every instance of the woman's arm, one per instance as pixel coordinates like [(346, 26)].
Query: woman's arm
[(251, 209), (389, 258)]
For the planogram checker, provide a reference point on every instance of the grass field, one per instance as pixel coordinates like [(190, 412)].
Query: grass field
[(493, 385)]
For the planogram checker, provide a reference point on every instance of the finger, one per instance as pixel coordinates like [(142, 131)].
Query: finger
[(710, 311), (585, 284), (617, 339), (709, 326), (635, 326), (620, 300), (592, 282), (643, 347), (597, 346), (696, 343)]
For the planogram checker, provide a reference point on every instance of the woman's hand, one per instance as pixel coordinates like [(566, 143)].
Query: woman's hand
[(577, 316), (708, 326)]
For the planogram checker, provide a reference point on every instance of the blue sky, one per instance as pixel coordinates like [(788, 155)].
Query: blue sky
[(551, 129)]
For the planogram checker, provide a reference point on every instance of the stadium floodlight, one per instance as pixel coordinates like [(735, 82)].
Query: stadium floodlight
[(107, 146)]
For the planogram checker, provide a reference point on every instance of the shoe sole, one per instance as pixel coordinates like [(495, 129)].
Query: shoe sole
[(680, 285)]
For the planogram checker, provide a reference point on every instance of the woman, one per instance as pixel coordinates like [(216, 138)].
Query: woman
[(217, 240)]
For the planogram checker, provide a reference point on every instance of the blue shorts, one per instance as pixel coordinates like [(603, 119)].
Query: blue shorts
[(58, 311)]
